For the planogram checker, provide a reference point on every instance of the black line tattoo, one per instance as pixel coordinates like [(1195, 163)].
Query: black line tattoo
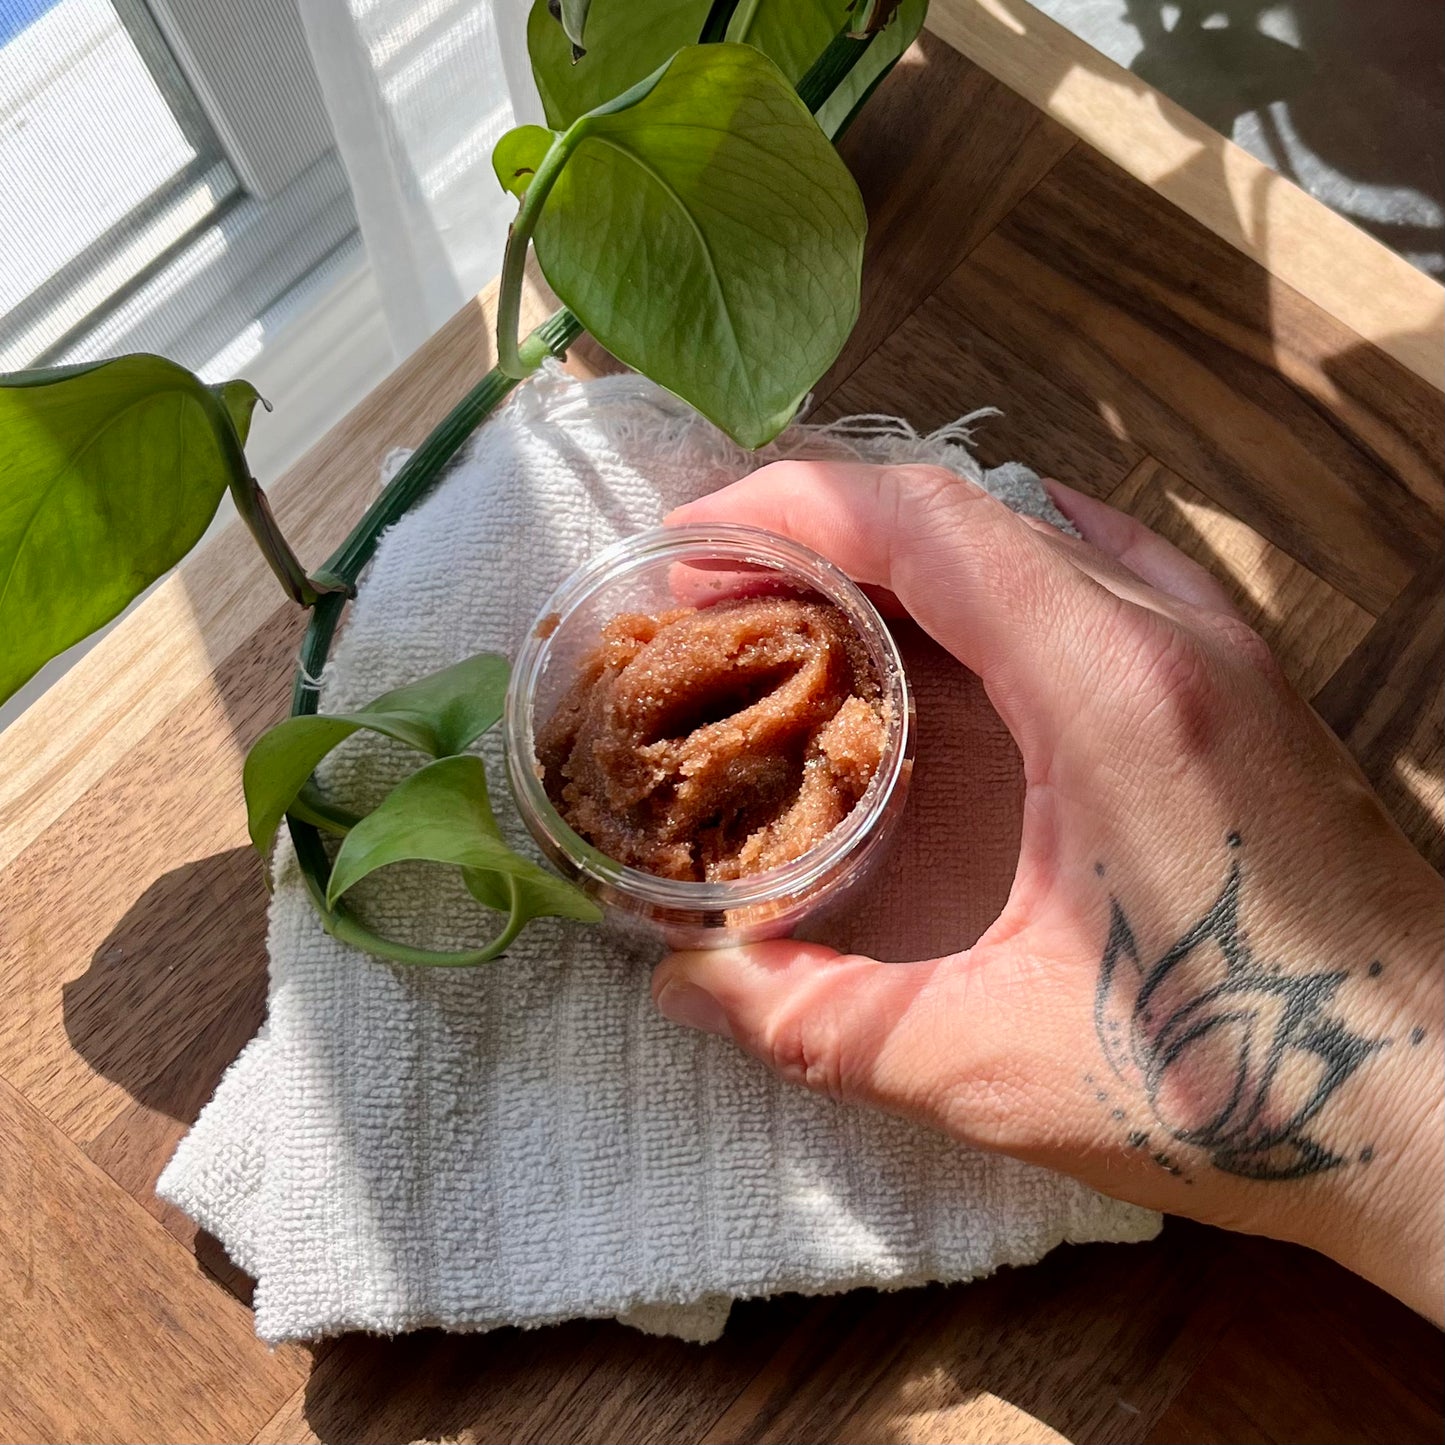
[(1228, 1053)]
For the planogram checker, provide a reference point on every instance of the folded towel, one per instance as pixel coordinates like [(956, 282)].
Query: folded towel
[(529, 1142)]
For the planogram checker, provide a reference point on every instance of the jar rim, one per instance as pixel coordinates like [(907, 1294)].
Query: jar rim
[(726, 542)]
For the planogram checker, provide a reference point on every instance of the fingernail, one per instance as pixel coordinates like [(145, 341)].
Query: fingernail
[(693, 1008)]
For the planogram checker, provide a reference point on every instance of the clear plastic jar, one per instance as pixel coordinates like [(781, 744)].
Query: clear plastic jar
[(641, 575)]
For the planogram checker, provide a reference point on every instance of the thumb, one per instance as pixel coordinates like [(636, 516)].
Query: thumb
[(884, 1034)]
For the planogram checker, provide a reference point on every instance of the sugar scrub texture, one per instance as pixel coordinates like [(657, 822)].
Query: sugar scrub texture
[(713, 743)]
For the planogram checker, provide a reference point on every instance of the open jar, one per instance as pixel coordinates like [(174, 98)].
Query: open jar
[(654, 573)]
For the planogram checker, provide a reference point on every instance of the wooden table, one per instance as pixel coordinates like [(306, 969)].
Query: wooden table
[(1168, 326)]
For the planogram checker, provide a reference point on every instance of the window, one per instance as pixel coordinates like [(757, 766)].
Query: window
[(168, 175)]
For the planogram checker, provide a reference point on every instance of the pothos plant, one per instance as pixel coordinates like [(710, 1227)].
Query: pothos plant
[(686, 204)]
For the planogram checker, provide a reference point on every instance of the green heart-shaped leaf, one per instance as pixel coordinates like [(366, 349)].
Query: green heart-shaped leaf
[(439, 715), (625, 41), (742, 232), (109, 474), (442, 814), (278, 765), (540, 895)]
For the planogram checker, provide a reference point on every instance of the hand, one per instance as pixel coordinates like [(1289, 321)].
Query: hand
[(1215, 988)]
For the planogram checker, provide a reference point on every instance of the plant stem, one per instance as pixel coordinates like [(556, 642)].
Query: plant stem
[(255, 511), (749, 10), (831, 68), (315, 645), (417, 477), (424, 466), (719, 17), (510, 361), (310, 807)]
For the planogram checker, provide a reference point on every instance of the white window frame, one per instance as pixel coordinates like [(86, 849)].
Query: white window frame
[(228, 253)]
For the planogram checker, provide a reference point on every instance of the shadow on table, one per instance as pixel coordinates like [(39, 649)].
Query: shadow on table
[(1197, 1335), (1351, 111), (133, 1014), (585, 1380), (1201, 1335)]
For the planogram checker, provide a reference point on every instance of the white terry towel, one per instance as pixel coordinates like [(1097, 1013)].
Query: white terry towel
[(528, 1141)]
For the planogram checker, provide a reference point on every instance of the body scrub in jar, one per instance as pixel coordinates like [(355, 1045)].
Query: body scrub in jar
[(710, 730)]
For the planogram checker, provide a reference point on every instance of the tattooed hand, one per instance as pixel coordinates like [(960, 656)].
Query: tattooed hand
[(1216, 987)]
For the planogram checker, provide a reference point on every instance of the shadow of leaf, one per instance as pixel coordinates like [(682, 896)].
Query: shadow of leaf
[(163, 1007)]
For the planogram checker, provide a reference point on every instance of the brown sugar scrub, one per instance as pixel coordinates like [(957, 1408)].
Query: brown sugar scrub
[(706, 700), (707, 744)]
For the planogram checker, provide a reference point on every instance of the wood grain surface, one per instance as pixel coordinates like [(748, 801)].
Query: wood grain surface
[(1142, 342)]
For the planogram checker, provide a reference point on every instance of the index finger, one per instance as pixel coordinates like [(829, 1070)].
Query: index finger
[(974, 576)]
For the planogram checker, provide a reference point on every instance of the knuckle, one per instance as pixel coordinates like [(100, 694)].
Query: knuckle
[(919, 498), (929, 501), (1175, 687), (924, 483), (1242, 644), (946, 526), (807, 1044)]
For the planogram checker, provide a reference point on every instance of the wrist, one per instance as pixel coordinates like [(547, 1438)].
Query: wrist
[(1377, 1209)]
